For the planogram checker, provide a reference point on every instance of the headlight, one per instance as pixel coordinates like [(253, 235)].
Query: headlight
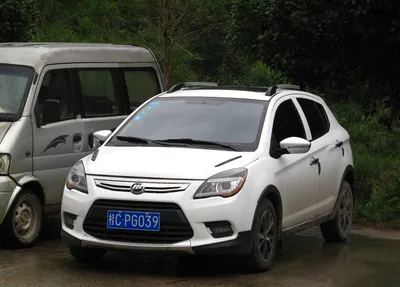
[(77, 178), (224, 184), (4, 164)]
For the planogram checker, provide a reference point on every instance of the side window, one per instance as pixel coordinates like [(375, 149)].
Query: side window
[(316, 117), (56, 85), (287, 123), (98, 92), (141, 85)]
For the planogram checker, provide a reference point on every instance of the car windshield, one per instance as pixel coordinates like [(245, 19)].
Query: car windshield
[(213, 123), (15, 82)]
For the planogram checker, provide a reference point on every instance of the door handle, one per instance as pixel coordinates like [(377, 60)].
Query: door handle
[(314, 161), (338, 143)]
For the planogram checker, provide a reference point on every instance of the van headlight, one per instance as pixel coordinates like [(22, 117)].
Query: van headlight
[(224, 184), (5, 160), (77, 178)]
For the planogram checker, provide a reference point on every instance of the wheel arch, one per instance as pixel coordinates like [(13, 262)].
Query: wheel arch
[(272, 194), (348, 175), (27, 182)]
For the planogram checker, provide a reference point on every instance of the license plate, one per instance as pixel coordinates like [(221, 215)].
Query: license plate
[(132, 220)]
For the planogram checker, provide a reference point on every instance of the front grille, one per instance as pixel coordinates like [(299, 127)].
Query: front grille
[(174, 226), (149, 187)]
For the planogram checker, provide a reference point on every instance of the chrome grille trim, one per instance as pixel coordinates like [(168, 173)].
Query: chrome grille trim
[(150, 187)]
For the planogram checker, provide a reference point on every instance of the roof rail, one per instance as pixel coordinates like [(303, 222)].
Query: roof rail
[(272, 90), (179, 86)]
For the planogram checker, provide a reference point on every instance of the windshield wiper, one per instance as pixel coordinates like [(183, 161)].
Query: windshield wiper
[(197, 142), (140, 140)]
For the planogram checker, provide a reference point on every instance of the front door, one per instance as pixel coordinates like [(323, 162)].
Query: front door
[(296, 173), (58, 142)]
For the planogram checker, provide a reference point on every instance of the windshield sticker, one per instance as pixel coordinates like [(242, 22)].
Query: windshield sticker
[(137, 118)]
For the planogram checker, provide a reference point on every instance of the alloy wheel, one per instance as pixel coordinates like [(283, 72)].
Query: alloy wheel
[(266, 235), (346, 211)]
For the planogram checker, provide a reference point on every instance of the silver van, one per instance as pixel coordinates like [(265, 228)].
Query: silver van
[(53, 97)]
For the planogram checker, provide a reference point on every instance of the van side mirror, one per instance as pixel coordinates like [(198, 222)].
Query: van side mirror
[(100, 137), (295, 145), (51, 111)]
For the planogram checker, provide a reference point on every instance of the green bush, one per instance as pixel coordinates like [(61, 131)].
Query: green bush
[(261, 75), (375, 150)]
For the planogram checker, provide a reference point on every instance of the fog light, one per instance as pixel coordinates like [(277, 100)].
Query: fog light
[(220, 228), (69, 220)]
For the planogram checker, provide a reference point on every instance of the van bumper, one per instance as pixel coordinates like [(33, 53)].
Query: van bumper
[(7, 187)]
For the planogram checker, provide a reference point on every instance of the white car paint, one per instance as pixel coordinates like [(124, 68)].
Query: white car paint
[(306, 195)]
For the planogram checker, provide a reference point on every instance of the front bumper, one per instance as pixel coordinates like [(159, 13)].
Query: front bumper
[(193, 215), (7, 187), (238, 246)]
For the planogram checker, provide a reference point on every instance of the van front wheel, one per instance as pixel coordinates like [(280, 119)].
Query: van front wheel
[(23, 223)]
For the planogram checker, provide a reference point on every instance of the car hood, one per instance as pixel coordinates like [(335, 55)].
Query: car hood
[(162, 162), (4, 126)]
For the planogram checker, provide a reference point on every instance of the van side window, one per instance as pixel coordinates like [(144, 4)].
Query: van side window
[(98, 93), (141, 86), (56, 85)]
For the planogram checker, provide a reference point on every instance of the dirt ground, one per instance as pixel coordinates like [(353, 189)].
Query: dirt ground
[(369, 258)]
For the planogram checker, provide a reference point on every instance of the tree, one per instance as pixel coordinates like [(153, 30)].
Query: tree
[(179, 24), (337, 42), (18, 20)]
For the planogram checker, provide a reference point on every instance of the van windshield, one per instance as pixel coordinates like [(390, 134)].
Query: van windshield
[(15, 82)]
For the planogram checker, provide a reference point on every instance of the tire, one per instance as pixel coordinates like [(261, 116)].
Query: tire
[(260, 259), (22, 226), (86, 254), (338, 228)]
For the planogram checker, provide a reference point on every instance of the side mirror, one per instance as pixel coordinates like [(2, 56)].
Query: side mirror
[(51, 111), (295, 145), (100, 137)]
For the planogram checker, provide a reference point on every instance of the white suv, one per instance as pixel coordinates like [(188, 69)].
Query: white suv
[(208, 169)]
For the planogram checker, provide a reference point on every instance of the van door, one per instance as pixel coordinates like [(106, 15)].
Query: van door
[(108, 95), (57, 131)]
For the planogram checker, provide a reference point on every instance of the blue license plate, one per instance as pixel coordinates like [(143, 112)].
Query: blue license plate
[(132, 220)]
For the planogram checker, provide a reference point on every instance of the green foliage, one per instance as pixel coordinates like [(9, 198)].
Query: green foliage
[(261, 75), (333, 42), (18, 20), (375, 151)]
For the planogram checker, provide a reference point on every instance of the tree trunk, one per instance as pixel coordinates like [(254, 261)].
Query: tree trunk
[(167, 43)]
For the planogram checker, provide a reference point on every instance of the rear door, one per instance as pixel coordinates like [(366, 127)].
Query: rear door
[(55, 144), (322, 148)]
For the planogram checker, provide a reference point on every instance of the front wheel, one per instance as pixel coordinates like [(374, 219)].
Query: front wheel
[(23, 223), (338, 229), (265, 237), (82, 254)]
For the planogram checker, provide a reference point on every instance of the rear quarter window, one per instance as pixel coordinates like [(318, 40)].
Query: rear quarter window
[(317, 117)]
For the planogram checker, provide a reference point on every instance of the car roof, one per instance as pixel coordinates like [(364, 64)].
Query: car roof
[(38, 54), (220, 93), (239, 92)]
